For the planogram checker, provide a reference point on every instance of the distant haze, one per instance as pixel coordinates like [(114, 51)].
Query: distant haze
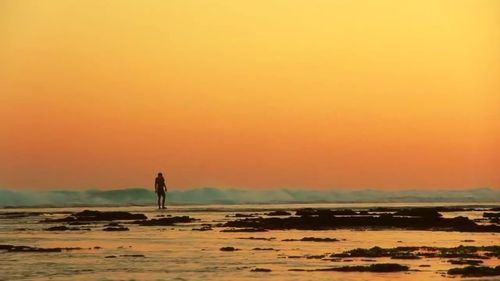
[(389, 94)]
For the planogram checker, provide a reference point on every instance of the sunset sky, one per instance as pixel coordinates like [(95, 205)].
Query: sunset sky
[(250, 94)]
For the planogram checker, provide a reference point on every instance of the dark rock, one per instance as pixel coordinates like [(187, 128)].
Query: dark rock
[(324, 219), (133, 256), (263, 249), (374, 252), (258, 238), (313, 239), (306, 212), (35, 250), (17, 215), (310, 257), (378, 267), (65, 228), (116, 228), (87, 215), (29, 249), (344, 212), (245, 230), (475, 271), (430, 213), (382, 210), (238, 215), (491, 215), (492, 251), (165, 221), (465, 261), (6, 247), (260, 270), (228, 249), (278, 213), (460, 252), (324, 212), (110, 257)]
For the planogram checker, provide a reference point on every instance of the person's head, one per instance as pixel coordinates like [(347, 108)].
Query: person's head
[(160, 174)]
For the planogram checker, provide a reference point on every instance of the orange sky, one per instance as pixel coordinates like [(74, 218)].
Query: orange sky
[(250, 94)]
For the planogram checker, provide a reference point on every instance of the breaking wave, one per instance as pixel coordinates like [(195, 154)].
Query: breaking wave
[(141, 196)]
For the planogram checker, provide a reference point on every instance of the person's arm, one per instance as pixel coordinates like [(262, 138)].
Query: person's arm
[(156, 186), (165, 185)]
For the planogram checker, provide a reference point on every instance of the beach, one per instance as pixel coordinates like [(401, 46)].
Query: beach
[(205, 247)]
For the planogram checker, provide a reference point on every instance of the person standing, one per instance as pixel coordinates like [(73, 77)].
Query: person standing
[(160, 189)]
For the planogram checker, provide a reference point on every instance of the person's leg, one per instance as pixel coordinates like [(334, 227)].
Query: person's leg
[(163, 201), (159, 198)]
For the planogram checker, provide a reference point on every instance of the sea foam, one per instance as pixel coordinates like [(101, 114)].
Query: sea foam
[(141, 196)]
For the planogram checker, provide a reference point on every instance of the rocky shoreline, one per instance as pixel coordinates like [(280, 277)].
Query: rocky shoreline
[(325, 219)]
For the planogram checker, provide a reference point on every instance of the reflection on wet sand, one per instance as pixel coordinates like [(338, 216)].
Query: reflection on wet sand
[(163, 245)]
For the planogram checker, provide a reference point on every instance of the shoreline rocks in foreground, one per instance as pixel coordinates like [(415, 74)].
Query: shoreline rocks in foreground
[(312, 239), (326, 219), (168, 221), (65, 228), (378, 267), (88, 215), (228, 249), (475, 271), (460, 252), (29, 249), (258, 269)]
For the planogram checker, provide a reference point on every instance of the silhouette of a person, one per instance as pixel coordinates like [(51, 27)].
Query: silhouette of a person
[(160, 189)]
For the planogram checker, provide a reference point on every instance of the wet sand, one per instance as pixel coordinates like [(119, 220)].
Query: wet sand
[(177, 252)]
